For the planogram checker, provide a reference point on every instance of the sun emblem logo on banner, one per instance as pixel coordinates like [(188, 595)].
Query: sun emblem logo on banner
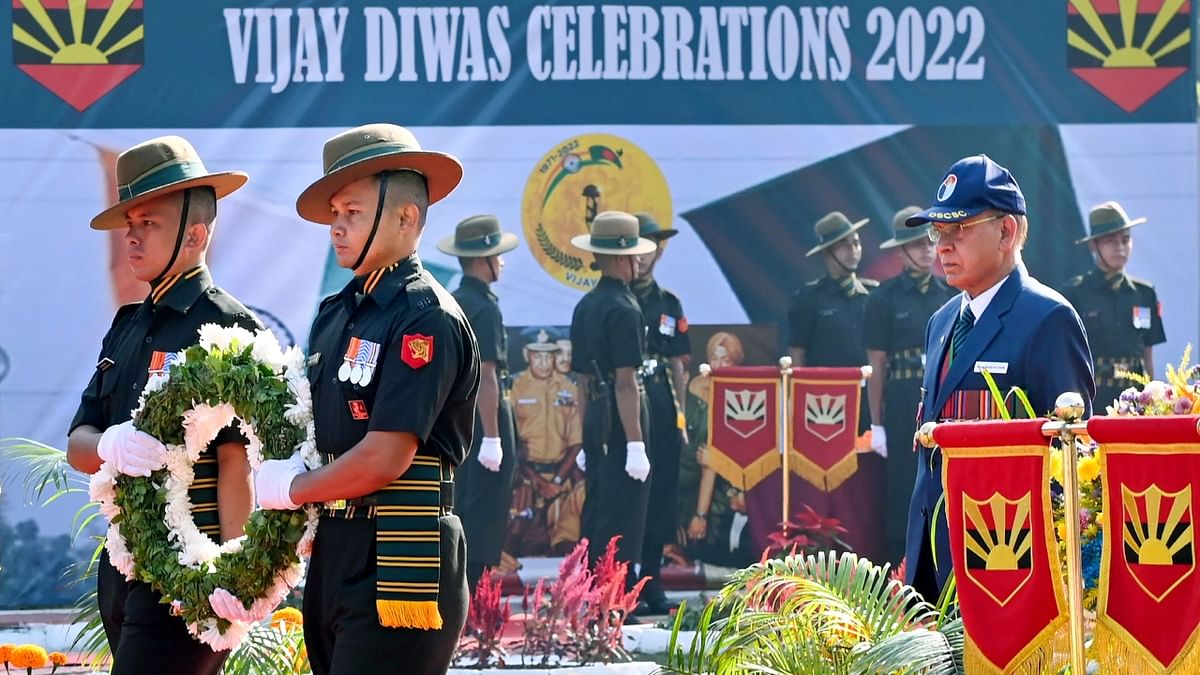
[(825, 415), (745, 411), (576, 180), (999, 544), (1158, 538), (1129, 50), (78, 49)]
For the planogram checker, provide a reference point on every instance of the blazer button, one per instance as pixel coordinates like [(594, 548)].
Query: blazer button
[(149, 339), (350, 326)]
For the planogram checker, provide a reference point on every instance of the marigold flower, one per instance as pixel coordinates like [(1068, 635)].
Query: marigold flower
[(58, 659), (1062, 531), (1100, 518), (1088, 469), (29, 656), (1056, 465), (6, 652), (287, 615)]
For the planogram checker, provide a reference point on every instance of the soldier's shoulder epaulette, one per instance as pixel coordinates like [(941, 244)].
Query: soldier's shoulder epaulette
[(1141, 282), (813, 283), (327, 300), (230, 305), (423, 292), (869, 283), (124, 311), (1076, 280)]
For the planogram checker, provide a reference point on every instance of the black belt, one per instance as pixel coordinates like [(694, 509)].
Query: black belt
[(364, 507)]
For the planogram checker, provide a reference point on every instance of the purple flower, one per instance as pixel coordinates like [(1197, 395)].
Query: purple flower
[(1144, 398), (1129, 395), (1182, 406)]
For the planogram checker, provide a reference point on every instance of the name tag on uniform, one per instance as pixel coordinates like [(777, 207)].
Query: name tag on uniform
[(105, 364), (998, 367), (526, 401), (1141, 318), (922, 362), (666, 325)]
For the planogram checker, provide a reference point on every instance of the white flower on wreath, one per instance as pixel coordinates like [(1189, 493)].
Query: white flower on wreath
[(214, 337)]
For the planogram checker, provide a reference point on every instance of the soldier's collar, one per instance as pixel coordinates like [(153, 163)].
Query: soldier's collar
[(850, 285), (918, 280), (611, 281), (471, 282), (385, 283), (1118, 280), (180, 291)]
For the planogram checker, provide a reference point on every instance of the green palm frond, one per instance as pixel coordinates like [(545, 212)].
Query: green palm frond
[(41, 469), (822, 613), (269, 651)]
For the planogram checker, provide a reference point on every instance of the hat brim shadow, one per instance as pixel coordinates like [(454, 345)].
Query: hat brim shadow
[(223, 183), (442, 174), (508, 241), (1127, 226), (854, 227), (643, 246)]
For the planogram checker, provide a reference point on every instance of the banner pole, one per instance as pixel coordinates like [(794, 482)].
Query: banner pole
[(1069, 408), (785, 373)]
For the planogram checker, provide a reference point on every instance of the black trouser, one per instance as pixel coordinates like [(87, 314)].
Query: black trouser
[(664, 444), (482, 497), (143, 635), (341, 625), (615, 504), (902, 399)]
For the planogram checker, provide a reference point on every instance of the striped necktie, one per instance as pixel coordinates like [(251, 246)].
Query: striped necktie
[(962, 327)]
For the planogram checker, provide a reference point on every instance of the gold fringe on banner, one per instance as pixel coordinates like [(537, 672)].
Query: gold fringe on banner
[(829, 479), (1117, 651), (1049, 652), (744, 477), (421, 614)]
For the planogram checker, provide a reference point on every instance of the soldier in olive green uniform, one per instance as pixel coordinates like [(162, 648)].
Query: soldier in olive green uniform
[(897, 313), (1121, 313)]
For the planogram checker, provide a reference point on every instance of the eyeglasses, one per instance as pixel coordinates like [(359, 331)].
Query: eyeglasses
[(952, 231)]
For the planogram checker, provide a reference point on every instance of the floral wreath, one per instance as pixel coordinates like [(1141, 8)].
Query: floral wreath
[(232, 377)]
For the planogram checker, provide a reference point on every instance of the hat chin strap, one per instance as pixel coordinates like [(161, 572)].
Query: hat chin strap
[(837, 262), (183, 223), (383, 185)]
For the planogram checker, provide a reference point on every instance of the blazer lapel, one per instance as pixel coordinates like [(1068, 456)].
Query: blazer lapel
[(984, 331), (940, 332)]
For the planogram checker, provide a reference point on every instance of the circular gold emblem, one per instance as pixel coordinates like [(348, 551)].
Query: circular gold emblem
[(579, 178)]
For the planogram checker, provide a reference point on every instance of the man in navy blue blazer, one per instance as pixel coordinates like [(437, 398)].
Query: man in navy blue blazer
[(1005, 322)]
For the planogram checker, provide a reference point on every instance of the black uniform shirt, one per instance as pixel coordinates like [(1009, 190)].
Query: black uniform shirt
[(607, 328), (142, 340), (666, 326), (1122, 317), (393, 352), (896, 315), (482, 309), (825, 319)]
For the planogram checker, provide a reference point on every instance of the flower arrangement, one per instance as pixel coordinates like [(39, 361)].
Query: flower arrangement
[(231, 378), (1088, 469), (29, 657)]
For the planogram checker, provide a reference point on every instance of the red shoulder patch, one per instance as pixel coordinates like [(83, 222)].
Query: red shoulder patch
[(416, 350), (681, 324)]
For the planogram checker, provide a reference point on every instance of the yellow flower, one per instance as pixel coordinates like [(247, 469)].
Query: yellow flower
[(58, 659), (1100, 518), (1056, 465), (29, 656), (287, 615), (1088, 468), (1062, 531), (6, 652)]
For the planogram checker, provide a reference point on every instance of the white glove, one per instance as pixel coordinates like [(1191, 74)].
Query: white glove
[(228, 607), (273, 482), (131, 452), (637, 464), (490, 454), (581, 461), (879, 440)]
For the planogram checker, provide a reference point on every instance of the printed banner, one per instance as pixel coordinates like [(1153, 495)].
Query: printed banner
[(824, 412), (743, 422), (997, 487), (1149, 608)]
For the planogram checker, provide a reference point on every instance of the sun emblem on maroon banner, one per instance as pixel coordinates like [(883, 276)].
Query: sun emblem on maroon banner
[(1129, 50), (78, 49)]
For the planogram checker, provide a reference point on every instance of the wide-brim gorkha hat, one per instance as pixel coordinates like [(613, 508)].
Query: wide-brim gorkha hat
[(371, 149), (649, 228), (1106, 218), (478, 237), (614, 233), (903, 234), (832, 228), (158, 167)]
